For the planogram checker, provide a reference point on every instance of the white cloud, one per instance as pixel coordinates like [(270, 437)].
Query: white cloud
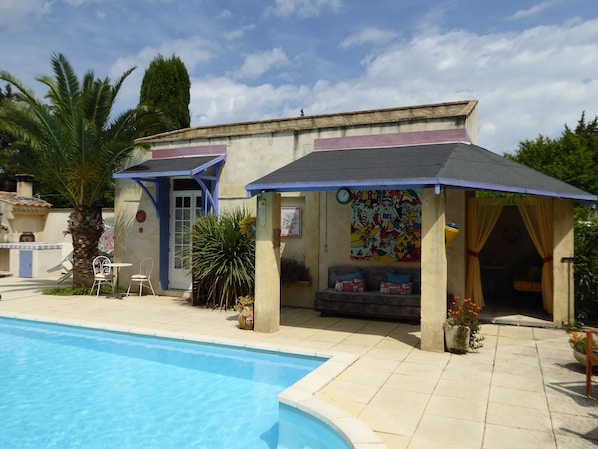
[(259, 63), (12, 13), (222, 100), (528, 83), (304, 8), (368, 36), (238, 33), (533, 11)]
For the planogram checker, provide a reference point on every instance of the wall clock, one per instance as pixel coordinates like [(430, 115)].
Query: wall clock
[(343, 195)]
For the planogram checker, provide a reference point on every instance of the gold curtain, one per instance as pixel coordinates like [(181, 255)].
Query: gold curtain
[(537, 216), (482, 215)]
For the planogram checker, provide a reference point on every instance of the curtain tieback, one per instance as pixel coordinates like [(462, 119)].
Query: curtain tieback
[(473, 253), (547, 259)]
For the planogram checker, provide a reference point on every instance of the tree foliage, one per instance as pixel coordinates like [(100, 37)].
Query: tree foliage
[(74, 145), (10, 155), (572, 157), (166, 87), (586, 273)]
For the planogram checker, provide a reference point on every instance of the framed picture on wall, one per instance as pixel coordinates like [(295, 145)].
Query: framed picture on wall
[(290, 221)]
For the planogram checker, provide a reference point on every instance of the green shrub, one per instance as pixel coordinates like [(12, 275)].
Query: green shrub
[(586, 273), (79, 291), (223, 258)]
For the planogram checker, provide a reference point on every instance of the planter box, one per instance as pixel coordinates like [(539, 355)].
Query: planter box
[(456, 338)]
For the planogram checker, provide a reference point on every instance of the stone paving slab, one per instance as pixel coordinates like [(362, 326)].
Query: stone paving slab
[(523, 389)]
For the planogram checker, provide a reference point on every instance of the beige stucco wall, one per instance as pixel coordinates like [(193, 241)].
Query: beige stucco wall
[(250, 156), (563, 305), (135, 240)]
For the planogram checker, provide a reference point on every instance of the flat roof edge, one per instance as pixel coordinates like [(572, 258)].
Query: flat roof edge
[(355, 118)]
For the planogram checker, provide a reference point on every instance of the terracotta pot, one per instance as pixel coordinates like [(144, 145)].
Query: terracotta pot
[(456, 338), (246, 318)]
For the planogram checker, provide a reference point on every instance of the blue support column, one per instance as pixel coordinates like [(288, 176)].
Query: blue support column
[(163, 194)]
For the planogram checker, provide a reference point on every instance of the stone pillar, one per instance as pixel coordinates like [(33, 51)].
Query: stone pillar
[(267, 263), (562, 271), (433, 271), (456, 251)]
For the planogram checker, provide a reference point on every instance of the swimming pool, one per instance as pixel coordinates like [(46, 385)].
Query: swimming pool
[(63, 387)]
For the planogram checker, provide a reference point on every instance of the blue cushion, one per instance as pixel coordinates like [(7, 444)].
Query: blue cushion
[(350, 277), (398, 278)]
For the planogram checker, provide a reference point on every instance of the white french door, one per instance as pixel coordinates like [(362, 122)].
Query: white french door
[(186, 207)]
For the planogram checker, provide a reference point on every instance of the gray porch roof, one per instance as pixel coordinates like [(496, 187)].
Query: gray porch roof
[(182, 166), (456, 165)]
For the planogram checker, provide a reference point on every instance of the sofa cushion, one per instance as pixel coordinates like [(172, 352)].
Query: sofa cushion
[(397, 278), (405, 288), (353, 285), (351, 276)]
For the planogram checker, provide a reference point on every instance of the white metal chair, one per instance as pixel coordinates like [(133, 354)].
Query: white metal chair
[(145, 271), (102, 274)]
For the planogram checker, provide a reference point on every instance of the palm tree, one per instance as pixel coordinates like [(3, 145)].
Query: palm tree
[(75, 144)]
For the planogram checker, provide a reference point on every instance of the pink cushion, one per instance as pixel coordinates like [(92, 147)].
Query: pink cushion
[(396, 289), (354, 285)]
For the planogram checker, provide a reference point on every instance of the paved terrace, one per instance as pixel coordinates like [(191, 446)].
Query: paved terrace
[(523, 389)]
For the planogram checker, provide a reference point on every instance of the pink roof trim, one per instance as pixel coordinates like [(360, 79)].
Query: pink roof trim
[(392, 140), (208, 150)]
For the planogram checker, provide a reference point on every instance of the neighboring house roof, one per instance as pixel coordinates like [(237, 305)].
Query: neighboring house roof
[(182, 166), (457, 165), (12, 199)]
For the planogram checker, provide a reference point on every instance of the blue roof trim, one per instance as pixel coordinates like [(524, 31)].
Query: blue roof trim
[(377, 184), (441, 165)]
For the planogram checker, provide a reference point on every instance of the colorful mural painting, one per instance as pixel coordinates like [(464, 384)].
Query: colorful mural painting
[(386, 225)]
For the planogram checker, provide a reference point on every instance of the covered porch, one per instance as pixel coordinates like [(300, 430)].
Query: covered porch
[(447, 175)]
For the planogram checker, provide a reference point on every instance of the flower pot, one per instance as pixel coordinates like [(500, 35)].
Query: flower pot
[(456, 338), (582, 358), (246, 318)]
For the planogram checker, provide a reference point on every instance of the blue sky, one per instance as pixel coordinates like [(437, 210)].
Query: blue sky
[(533, 65)]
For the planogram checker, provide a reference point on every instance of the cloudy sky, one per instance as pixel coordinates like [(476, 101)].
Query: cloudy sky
[(533, 65)]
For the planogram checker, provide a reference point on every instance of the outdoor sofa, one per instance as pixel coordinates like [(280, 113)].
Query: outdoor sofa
[(374, 295)]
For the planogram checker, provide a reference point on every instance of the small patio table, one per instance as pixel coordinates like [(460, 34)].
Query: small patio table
[(115, 290)]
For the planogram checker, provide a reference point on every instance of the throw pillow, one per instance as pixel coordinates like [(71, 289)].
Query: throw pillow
[(351, 276), (396, 289), (398, 278), (354, 285)]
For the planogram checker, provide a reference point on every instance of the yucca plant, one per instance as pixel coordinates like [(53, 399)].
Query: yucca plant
[(223, 258)]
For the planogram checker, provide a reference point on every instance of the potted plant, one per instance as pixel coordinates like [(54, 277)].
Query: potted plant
[(292, 270), (578, 342), (244, 306), (461, 328)]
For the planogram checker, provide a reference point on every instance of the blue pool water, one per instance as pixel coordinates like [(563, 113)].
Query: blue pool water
[(65, 387)]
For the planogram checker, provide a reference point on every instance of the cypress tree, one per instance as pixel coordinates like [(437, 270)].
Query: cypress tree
[(166, 87)]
